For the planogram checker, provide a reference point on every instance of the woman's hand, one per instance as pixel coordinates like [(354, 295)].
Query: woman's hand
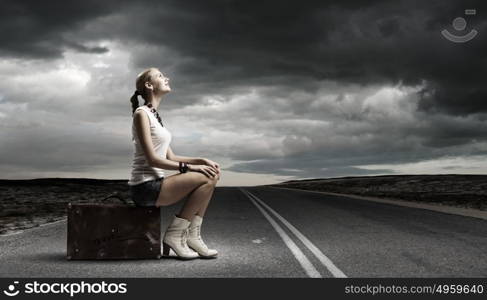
[(207, 170), (212, 164)]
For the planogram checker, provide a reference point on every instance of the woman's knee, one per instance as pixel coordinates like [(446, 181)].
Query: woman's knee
[(201, 179), (213, 181)]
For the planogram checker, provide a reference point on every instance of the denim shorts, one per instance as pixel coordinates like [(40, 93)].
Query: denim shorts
[(146, 193)]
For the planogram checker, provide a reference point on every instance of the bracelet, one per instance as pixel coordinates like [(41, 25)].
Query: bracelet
[(183, 167)]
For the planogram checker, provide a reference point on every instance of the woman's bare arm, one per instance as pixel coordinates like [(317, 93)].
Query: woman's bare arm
[(189, 160), (142, 127)]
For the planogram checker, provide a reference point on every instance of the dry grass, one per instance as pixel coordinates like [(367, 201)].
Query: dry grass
[(30, 203), (466, 191)]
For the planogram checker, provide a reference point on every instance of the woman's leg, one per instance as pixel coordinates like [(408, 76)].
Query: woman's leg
[(173, 189), (199, 199), (197, 186), (195, 241)]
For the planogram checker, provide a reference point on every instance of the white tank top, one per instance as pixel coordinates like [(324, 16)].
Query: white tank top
[(161, 138)]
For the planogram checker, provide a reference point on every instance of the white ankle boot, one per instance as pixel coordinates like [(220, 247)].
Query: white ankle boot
[(176, 237), (194, 239)]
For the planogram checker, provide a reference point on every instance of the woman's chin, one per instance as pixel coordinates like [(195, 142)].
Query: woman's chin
[(165, 90)]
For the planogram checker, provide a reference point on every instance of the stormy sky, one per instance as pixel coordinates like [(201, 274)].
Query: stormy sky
[(271, 90)]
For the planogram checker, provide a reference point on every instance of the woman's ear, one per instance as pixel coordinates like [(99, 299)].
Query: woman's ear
[(148, 85)]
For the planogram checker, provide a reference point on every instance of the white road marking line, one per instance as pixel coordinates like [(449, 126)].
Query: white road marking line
[(298, 254), (325, 261)]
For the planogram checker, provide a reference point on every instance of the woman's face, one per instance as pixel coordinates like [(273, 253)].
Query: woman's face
[(160, 82)]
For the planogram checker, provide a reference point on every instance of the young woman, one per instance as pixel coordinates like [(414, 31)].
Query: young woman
[(148, 185)]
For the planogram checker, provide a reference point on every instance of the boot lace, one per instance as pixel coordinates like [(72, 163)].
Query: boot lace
[(184, 238), (198, 233), (198, 237)]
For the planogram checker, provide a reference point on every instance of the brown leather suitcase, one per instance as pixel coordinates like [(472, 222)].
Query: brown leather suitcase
[(113, 231)]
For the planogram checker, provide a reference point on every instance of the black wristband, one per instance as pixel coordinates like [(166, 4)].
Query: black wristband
[(183, 168)]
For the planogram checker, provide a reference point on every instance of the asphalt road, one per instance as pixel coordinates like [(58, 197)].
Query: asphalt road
[(273, 232)]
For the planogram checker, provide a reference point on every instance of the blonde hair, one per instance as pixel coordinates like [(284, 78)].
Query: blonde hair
[(142, 78)]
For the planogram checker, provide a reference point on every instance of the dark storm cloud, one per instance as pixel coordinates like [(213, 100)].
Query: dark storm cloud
[(244, 42), (231, 43), (86, 49), (35, 29)]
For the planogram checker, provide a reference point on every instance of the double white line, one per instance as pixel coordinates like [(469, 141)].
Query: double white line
[(302, 259)]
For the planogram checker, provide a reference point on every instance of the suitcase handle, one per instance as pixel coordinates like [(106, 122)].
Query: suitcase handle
[(117, 196)]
